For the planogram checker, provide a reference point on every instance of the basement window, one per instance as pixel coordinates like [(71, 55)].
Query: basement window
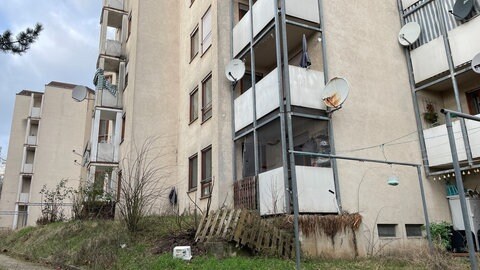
[(387, 230), (206, 188), (413, 230)]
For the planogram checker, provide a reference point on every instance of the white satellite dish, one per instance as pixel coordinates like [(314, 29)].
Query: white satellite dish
[(476, 64), (235, 70), (335, 92), (79, 93), (409, 33)]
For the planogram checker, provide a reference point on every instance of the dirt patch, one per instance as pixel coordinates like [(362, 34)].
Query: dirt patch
[(187, 238)]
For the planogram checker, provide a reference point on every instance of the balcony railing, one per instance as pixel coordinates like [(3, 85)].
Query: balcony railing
[(313, 183), (32, 140), (27, 168), (23, 198), (438, 147), (113, 48), (244, 193), (35, 112), (305, 85), (428, 53), (105, 152), (115, 4), (264, 13)]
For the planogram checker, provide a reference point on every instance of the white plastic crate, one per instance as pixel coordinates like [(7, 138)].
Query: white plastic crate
[(182, 252)]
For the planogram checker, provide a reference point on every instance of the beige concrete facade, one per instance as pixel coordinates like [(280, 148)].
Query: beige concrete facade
[(47, 127), (156, 77), (162, 74)]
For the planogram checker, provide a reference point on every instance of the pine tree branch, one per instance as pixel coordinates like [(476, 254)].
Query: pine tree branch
[(22, 41)]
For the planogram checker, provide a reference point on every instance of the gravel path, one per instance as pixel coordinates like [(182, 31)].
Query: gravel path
[(7, 263)]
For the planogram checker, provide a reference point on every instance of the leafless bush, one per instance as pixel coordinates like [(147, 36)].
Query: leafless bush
[(142, 183)]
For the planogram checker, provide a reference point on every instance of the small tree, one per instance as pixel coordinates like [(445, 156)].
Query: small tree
[(22, 41), (53, 202), (142, 183)]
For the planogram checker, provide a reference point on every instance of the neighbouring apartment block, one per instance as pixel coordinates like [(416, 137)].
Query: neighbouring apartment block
[(163, 77), (48, 128)]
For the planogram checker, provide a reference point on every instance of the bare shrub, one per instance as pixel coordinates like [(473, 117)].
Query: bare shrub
[(142, 183), (53, 202)]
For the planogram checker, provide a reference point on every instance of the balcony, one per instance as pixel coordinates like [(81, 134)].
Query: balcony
[(105, 152), (313, 184), (113, 48), (438, 147), (305, 85), (23, 198), (32, 140), (114, 4), (264, 13), (428, 54), (35, 112), (27, 168)]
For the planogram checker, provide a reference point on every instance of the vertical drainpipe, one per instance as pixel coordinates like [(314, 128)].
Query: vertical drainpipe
[(254, 103), (451, 67), (232, 95), (282, 108), (331, 135), (418, 120), (286, 81)]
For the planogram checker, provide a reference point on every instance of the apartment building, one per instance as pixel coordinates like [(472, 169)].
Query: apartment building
[(46, 142), (233, 144)]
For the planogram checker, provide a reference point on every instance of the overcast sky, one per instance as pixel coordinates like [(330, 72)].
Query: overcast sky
[(66, 50)]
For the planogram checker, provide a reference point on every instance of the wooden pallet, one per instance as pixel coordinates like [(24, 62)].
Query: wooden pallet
[(245, 228)]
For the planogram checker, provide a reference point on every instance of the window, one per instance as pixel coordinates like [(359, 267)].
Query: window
[(387, 230), (206, 172), (414, 230), (192, 172), (194, 43), (207, 98), (106, 126), (129, 29), (246, 81), (194, 105), (269, 146), (123, 127), (242, 10), (473, 100), (206, 30), (311, 135), (119, 184), (125, 84)]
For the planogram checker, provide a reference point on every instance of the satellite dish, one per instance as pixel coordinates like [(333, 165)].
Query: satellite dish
[(235, 70), (462, 9), (335, 92), (79, 93), (476, 64), (409, 33)]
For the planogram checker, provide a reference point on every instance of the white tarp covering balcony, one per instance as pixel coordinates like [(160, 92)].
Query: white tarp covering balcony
[(264, 12), (27, 168), (32, 140), (305, 89), (105, 152), (438, 146)]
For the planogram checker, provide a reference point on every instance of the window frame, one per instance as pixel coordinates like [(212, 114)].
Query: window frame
[(395, 234), (129, 26), (193, 115), (122, 135), (414, 226), (196, 31), (209, 36), (206, 182), (190, 173), (207, 107)]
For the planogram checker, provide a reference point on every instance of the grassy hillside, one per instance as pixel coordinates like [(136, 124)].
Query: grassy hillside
[(98, 245)]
